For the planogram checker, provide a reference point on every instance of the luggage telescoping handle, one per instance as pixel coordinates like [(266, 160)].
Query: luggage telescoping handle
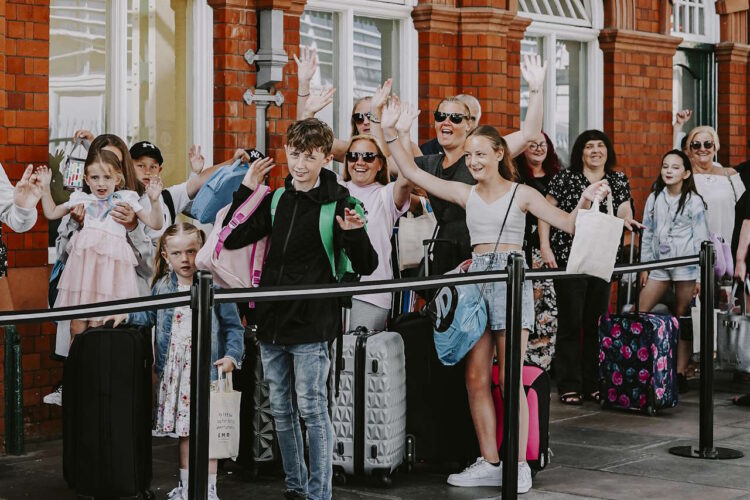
[(635, 256)]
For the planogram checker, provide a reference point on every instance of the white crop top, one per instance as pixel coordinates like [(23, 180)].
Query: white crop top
[(485, 219)]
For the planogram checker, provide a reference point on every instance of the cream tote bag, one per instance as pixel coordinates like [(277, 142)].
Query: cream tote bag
[(595, 243), (224, 426), (412, 231)]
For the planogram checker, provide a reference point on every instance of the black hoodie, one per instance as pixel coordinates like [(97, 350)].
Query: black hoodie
[(296, 257)]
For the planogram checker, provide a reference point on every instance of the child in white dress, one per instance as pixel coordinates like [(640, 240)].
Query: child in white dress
[(101, 263)]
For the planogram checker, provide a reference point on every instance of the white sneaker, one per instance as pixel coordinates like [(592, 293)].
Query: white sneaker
[(212, 492), (524, 477), (54, 397), (178, 493), (480, 473)]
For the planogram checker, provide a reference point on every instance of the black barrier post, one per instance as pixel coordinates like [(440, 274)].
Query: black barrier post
[(706, 419), (201, 304), (13, 393), (511, 404)]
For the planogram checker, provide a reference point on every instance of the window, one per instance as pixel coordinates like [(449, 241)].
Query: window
[(359, 46), (695, 21), (563, 33)]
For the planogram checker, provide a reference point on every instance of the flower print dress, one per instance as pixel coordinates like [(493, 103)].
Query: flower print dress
[(173, 404), (101, 263)]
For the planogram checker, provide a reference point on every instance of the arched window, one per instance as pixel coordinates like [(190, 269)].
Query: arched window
[(565, 33)]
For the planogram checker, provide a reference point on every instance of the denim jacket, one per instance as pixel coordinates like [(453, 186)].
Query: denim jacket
[(227, 339), (683, 233)]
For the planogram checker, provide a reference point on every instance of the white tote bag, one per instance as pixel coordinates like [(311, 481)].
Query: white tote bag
[(695, 313), (595, 244), (412, 231), (224, 427)]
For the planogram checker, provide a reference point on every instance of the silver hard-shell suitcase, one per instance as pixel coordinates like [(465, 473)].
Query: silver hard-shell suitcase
[(369, 413)]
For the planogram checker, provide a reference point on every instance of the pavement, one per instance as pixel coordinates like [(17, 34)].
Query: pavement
[(596, 454)]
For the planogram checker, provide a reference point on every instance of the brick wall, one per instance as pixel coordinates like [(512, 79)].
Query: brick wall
[(24, 100)]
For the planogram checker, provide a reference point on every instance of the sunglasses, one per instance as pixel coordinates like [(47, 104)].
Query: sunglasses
[(456, 118), (696, 145), (367, 157), (359, 118)]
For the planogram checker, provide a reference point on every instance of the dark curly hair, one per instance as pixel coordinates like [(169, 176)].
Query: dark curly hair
[(550, 165)]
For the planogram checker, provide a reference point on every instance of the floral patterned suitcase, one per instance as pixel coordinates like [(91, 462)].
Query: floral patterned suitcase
[(638, 361)]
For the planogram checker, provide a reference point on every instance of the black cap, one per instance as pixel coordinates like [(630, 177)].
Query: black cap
[(145, 148)]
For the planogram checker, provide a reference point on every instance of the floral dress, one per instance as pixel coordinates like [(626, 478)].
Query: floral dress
[(173, 405)]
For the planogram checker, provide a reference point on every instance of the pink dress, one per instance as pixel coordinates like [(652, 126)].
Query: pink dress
[(101, 263)]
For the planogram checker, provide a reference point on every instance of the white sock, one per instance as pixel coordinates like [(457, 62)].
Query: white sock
[(184, 476), (212, 479)]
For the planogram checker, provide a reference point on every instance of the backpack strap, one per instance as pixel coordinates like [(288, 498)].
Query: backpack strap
[(169, 202), (342, 265), (240, 215), (275, 201)]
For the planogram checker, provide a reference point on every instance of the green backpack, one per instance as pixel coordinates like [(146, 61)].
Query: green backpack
[(340, 266)]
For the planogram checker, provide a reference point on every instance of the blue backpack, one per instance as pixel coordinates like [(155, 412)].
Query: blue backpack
[(217, 192)]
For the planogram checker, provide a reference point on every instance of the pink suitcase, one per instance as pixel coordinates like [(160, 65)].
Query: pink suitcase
[(536, 383)]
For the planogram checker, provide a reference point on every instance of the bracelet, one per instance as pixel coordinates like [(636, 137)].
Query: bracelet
[(374, 119), (533, 91), (389, 141), (303, 95)]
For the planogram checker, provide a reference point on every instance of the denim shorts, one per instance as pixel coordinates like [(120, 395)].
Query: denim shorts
[(684, 273), (495, 293)]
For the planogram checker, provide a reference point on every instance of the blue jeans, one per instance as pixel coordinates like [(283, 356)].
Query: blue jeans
[(297, 376)]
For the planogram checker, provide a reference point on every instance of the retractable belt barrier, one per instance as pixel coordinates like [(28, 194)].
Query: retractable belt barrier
[(202, 297)]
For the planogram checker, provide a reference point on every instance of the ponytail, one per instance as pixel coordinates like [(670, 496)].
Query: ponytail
[(161, 266)]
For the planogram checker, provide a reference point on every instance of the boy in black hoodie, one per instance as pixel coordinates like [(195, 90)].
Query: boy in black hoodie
[(294, 335)]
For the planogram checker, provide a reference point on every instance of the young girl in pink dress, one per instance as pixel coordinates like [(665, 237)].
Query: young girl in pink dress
[(101, 263)]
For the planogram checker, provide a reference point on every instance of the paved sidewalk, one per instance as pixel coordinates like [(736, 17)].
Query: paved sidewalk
[(597, 454)]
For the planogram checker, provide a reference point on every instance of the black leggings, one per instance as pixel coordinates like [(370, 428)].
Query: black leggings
[(580, 303)]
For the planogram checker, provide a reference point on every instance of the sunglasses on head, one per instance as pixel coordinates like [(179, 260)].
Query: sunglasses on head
[(359, 118), (367, 156), (456, 118), (697, 144)]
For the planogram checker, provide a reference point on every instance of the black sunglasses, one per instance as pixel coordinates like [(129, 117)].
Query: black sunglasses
[(359, 118), (456, 118), (697, 144), (367, 157)]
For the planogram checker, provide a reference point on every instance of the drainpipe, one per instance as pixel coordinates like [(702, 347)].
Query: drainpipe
[(271, 59)]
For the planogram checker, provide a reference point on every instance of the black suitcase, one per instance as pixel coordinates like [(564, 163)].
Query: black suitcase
[(438, 420), (107, 414)]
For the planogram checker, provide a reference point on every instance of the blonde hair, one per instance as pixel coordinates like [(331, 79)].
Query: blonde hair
[(382, 175), (704, 129), (357, 103), (161, 265)]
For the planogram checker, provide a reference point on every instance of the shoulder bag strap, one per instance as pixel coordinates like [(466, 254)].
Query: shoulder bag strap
[(505, 219), (734, 192), (240, 215)]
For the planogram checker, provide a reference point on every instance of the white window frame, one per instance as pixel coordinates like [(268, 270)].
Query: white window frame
[(200, 67), (408, 49), (711, 29), (550, 33)]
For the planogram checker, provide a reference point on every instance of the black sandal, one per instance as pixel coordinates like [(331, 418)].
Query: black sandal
[(594, 396), (743, 400), (571, 398)]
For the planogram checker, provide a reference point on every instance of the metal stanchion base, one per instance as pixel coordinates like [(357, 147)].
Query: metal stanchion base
[(710, 454)]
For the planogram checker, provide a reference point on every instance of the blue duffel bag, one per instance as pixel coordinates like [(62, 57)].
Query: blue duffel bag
[(217, 192)]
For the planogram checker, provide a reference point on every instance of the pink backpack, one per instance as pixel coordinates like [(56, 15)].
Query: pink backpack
[(240, 268)]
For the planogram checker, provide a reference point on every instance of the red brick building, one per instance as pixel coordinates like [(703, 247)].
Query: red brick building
[(620, 65)]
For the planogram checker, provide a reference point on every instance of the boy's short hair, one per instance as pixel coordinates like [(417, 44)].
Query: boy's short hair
[(310, 134)]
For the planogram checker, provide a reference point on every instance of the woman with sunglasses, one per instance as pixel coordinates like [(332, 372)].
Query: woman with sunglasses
[(536, 167), (452, 125), (366, 178), (495, 208), (720, 187), (308, 104)]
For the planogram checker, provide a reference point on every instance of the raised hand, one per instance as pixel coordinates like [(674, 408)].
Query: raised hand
[(351, 220), (533, 71), (197, 161), (379, 98), (682, 117), (409, 113), (318, 100), (83, 134), (154, 188), (29, 189), (257, 172), (390, 113), (307, 65), (43, 173)]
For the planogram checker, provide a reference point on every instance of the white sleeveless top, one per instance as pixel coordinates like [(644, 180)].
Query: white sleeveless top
[(485, 219)]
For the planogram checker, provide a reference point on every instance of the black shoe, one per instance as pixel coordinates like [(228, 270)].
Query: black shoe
[(293, 495), (682, 383)]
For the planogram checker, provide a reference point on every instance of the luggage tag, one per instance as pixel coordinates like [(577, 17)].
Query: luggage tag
[(74, 168)]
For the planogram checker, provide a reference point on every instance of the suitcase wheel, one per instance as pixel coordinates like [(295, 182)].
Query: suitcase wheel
[(339, 478), (384, 478)]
